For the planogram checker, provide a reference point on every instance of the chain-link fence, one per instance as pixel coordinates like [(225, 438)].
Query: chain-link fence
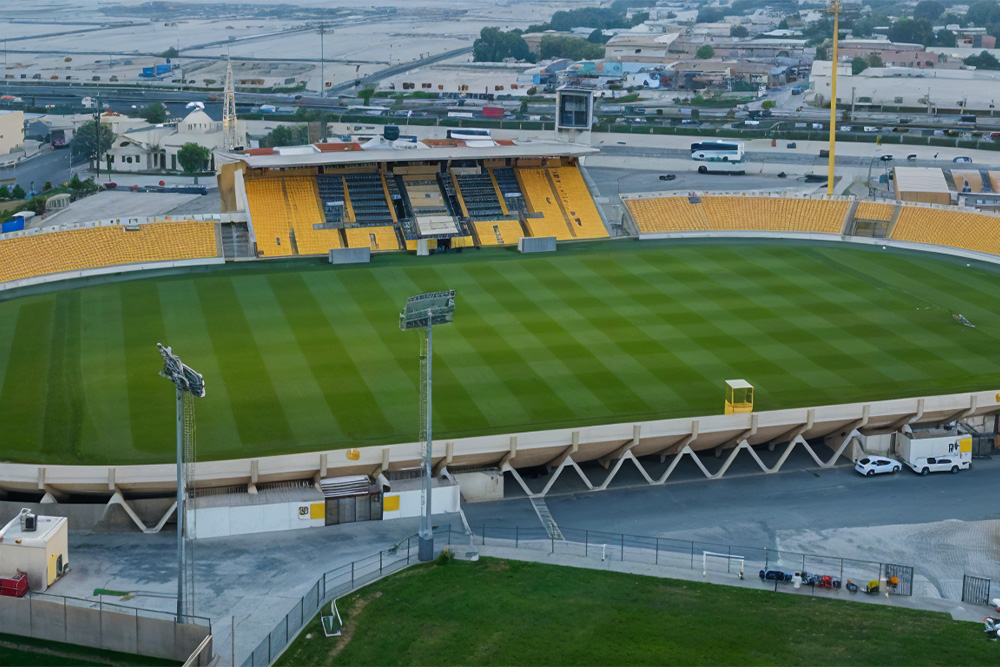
[(775, 568), (337, 583)]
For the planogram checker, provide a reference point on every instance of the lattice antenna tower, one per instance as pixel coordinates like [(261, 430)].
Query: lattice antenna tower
[(229, 110)]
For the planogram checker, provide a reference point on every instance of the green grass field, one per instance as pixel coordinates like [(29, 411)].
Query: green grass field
[(300, 356), (496, 612)]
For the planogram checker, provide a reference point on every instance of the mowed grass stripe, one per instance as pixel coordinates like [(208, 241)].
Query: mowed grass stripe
[(23, 395), (102, 362), (875, 345), (843, 347), (306, 406), (538, 399), (8, 323), (491, 317), (566, 331), (65, 405), (260, 420), (375, 341), (932, 350), (187, 333), (621, 320), (333, 367), (151, 416), (782, 327)]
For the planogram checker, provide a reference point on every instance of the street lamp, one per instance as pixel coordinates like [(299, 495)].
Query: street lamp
[(188, 384), (423, 312)]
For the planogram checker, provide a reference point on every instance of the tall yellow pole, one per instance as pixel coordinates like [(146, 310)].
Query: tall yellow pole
[(835, 8)]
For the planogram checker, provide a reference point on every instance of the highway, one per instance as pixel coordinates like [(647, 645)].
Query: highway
[(51, 165)]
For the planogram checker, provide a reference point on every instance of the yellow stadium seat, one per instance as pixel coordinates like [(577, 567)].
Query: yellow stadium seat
[(269, 216), (578, 203), (498, 232), (667, 214), (869, 210), (380, 239), (302, 197), (77, 249), (727, 213), (959, 228), (541, 199)]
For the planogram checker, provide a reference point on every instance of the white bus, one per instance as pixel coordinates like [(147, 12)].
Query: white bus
[(470, 134), (718, 151)]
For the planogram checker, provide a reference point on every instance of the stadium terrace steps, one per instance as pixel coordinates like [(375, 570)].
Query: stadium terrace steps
[(541, 199), (269, 217), (97, 247), (577, 203), (478, 194), (303, 201), (498, 232), (728, 213), (368, 198), (379, 238), (667, 214), (870, 210)]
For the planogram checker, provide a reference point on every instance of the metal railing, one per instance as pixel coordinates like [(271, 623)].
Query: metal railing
[(336, 583)]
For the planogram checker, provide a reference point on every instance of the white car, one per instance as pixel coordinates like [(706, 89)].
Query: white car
[(876, 465), (939, 464)]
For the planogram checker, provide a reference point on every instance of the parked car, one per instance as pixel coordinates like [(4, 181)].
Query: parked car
[(886, 158), (962, 159), (939, 464), (911, 157), (876, 465), (791, 144), (110, 185), (668, 177)]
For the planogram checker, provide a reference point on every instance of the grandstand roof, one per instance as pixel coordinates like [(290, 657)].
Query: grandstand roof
[(388, 154)]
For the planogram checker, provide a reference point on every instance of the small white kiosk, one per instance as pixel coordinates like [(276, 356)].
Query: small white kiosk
[(37, 546)]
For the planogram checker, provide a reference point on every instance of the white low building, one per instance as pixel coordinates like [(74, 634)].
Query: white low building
[(11, 131), (153, 148), (975, 91)]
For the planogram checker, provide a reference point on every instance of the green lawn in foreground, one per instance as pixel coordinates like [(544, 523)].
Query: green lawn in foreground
[(28, 652), (496, 612), (302, 356)]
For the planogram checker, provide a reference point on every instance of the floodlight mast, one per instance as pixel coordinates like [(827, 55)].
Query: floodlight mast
[(423, 312), (186, 380)]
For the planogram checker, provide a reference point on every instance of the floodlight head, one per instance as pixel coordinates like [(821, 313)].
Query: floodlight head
[(183, 376), (426, 310)]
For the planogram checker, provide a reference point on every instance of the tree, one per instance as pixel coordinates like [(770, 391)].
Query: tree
[(739, 31), (821, 53), (75, 182), (193, 157), (366, 95), (768, 104), (912, 31), (91, 139), (574, 48), (783, 25), (154, 114), (286, 136), (596, 37), (983, 13), (928, 9), (945, 38), (984, 60), (705, 52), (4, 192), (170, 53), (875, 60), (495, 45), (18, 192), (858, 65)]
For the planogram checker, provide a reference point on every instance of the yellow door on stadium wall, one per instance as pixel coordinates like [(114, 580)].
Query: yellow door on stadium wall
[(739, 396)]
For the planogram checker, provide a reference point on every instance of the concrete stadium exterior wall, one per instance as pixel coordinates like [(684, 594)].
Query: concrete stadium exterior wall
[(518, 450)]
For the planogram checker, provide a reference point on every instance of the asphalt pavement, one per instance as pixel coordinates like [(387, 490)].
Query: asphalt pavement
[(50, 165)]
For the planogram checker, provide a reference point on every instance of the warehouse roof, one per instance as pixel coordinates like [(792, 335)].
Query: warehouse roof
[(921, 179)]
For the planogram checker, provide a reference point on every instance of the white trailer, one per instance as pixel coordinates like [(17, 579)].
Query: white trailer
[(936, 450)]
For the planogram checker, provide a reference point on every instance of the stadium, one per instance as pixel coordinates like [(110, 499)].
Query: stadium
[(847, 317)]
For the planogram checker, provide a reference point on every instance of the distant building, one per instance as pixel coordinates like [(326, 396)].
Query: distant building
[(952, 90), (153, 148), (534, 39), (892, 54), (11, 131)]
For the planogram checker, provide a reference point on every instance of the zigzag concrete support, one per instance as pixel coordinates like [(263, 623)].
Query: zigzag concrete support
[(118, 499), (627, 456)]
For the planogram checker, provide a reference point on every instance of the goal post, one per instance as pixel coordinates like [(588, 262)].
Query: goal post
[(731, 559)]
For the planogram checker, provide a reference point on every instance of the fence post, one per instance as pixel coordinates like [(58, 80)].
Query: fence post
[(656, 557), (803, 562), (407, 551), (730, 559), (841, 570), (517, 537), (380, 562), (692, 555), (553, 538), (352, 575), (623, 547), (586, 543)]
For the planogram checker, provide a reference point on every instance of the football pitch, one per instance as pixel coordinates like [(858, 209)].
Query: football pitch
[(300, 356)]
